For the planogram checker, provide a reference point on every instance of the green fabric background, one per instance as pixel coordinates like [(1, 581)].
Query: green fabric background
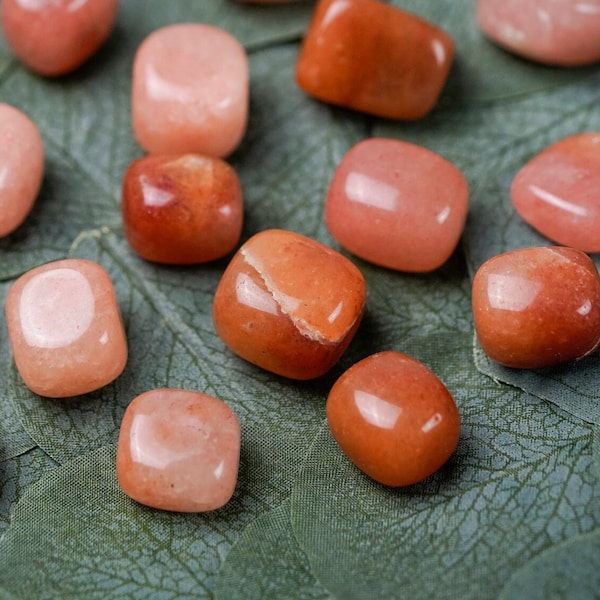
[(513, 514)]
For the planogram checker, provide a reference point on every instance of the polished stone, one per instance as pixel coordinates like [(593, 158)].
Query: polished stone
[(178, 450), (537, 307), (182, 209), (190, 91), (397, 205), (393, 418), (558, 192), (53, 37), (21, 167), (65, 328), (289, 304), (555, 32), (373, 57)]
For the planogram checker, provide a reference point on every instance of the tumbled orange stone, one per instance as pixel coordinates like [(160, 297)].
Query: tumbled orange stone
[(373, 57), (21, 167), (563, 33), (65, 328), (397, 205), (190, 91), (537, 307), (182, 209), (393, 418), (558, 192), (289, 304), (53, 37), (178, 450)]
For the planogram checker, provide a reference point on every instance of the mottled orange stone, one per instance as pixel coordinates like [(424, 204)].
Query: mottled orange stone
[(65, 328), (555, 32), (289, 304), (393, 418), (21, 167), (190, 91), (537, 307), (182, 209), (53, 37), (558, 192), (178, 450), (373, 57), (397, 205)]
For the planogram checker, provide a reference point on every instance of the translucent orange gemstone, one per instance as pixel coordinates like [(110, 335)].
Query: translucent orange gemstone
[(537, 307), (178, 450), (21, 166), (373, 57), (54, 37), (65, 328), (182, 209), (190, 91), (289, 304), (397, 205), (393, 418)]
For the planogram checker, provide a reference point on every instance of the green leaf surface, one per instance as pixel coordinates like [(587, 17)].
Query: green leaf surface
[(525, 476)]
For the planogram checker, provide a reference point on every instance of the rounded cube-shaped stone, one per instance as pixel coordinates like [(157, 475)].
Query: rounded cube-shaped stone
[(537, 307), (393, 418), (289, 304), (53, 37), (558, 192), (397, 205), (373, 57), (190, 91), (178, 450), (182, 209), (21, 166), (65, 328)]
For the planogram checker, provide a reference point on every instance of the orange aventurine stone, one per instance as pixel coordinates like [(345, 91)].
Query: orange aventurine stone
[(54, 37), (375, 58), (397, 205), (178, 450), (537, 307), (190, 91), (558, 192), (182, 209), (65, 328), (289, 304), (21, 167), (393, 418)]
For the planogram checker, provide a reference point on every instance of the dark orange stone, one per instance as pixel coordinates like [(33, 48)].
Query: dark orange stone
[(537, 307), (373, 57), (182, 209), (393, 418), (54, 37), (289, 304)]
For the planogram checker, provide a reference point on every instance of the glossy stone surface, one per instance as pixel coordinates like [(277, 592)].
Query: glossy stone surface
[(558, 192), (555, 32), (289, 304), (190, 91), (393, 418), (178, 450), (372, 57), (397, 205), (21, 167), (182, 209), (537, 307), (65, 328), (53, 37)]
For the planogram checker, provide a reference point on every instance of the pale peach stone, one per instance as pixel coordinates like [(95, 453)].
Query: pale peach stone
[(179, 450), (557, 32), (190, 91), (65, 328), (21, 167)]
